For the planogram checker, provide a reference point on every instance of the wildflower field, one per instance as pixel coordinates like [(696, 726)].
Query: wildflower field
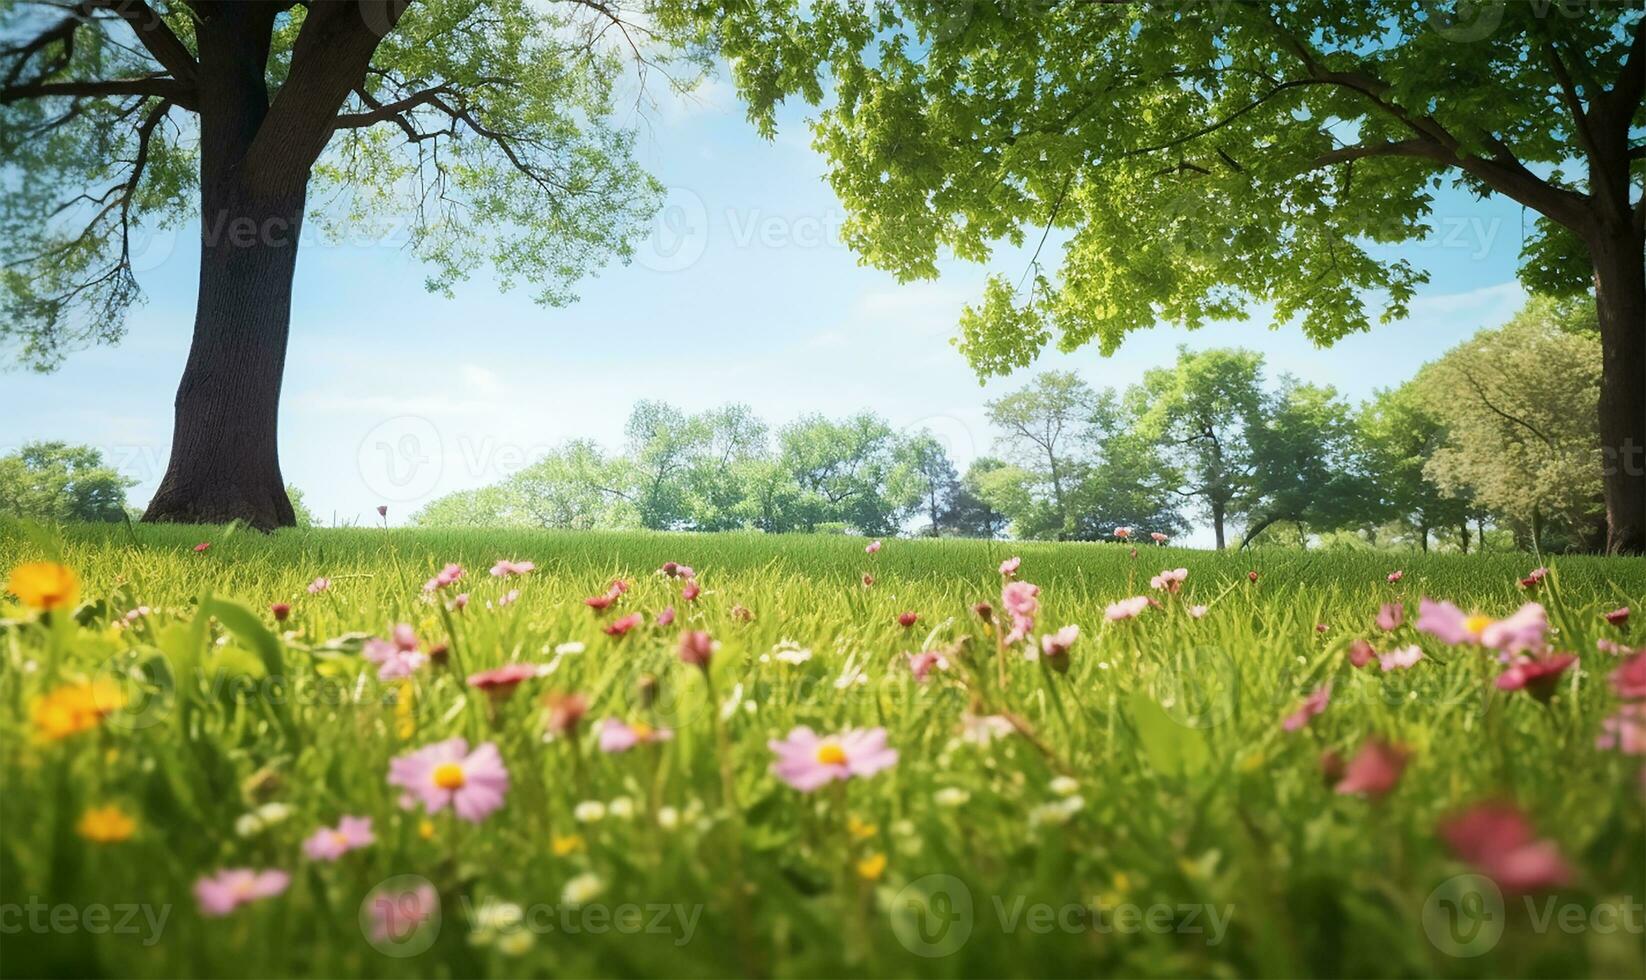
[(396, 753)]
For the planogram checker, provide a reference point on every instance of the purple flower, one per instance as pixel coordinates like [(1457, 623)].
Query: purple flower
[(808, 761), (331, 843), (229, 889)]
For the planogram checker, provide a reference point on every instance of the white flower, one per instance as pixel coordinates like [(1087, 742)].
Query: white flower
[(621, 808), (951, 796), (983, 729), (261, 819), (729, 706), (582, 889), (589, 811), (668, 817), (571, 648), (1056, 814), (791, 653), (1065, 786), (515, 942)]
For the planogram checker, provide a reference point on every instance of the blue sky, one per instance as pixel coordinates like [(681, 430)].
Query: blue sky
[(744, 292)]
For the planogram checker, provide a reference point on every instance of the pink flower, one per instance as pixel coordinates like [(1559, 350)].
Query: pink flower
[(1055, 647), (319, 585), (620, 627), (599, 602), (1390, 616), (1021, 600), (200, 548), (868, 581), (691, 591), (1624, 731), (499, 682), (1533, 578), (922, 664), (1539, 677), (1311, 707), (1374, 771), (446, 576), (229, 889), (460, 601), (907, 619), (1251, 576), (615, 736), (397, 657), (1361, 653), (1629, 680), (508, 598), (1158, 537), (506, 568), (807, 761), (871, 547), (1499, 841), (382, 510), (395, 916), (446, 773), (666, 616), (1126, 608), (1618, 616), (562, 712), (1396, 576), (1521, 631), (1404, 658), (1169, 580), (1197, 612), (1009, 567), (617, 588), (331, 843), (1122, 533), (685, 571), (697, 648)]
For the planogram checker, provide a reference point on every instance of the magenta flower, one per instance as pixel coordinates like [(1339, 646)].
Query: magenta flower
[(615, 736), (1361, 653), (229, 889), (319, 585), (691, 590), (1404, 658), (446, 773), (499, 683), (1618, 616), (808, 761), (1522, 630), (1390, 616), (200, 548), (1629, 680), (871, 547), (1396, 576), (506, 568), (331, 843), (1624, 731), (907, 619), (1374, 771), (1009, 567), (621, 627), (1538, 677), (1499, 841), (382, 510), (600, 602), (666, 616), (1126, 608), (697, 648), (1311, 707), (397, 657), (446, 576), (922, 664), (1169, 580), (1058, 644), (1534, 578), (395, 916), (1021, 600)]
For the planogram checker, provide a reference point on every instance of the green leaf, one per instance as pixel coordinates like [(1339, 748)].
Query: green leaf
[(1172, 748)]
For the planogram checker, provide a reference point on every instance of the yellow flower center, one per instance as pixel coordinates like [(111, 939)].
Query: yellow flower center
[(339, 838), (831, 754), (1477, 624), (642, 731), (449, 775)]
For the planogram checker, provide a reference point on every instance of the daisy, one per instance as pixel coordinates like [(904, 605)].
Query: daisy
[(615, 736), (446, 773), (1402, 659), (331, 843), (808, 761), (396, 657), (229, 889), (1520, 631), (1170, 580)]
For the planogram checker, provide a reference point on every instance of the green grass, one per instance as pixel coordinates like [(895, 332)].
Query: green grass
[(1197, 811)]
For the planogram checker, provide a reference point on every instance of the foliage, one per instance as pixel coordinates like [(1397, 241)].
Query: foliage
[(57, 482)]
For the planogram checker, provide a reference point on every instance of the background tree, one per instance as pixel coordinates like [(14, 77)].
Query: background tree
[(969, 513), (663, 443), (1200, 414), (483, 121), (929, 476), (577, 487), (54, 481), (842, 471), (1397, 437), (1044, 429), (1302, 472), (1517, 407), (1205, 156), (733, 446)]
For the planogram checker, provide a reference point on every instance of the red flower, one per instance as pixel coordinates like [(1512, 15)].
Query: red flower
[(1361, 653), (907, 619), (868, 580), (696, 648), (1619, 616), (620, 627), (1629, 680), (1374, 771), (201, 547), (499, 683), (598, 602), (280, 610), (1498, 840), (666, 617), (1537, 677), (691, 591), (1251, 576)]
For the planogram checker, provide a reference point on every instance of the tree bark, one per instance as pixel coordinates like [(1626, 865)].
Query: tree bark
[(1620, 302), (1217, 522)]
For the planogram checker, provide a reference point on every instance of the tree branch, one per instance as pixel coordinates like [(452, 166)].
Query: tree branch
[(152, 86), (151, 29)]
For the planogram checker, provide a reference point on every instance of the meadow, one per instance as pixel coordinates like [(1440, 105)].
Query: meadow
[(235, 760)]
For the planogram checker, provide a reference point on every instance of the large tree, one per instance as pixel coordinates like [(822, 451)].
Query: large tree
[(1047, 429), (483, 122), (1202, 156)]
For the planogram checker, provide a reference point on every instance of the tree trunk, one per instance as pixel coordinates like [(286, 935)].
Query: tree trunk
[(1463, 536), (1620, 301), (1217, 522), (225, 461)]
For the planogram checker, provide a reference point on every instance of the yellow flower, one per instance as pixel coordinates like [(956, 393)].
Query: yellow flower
[(105, 825), (569, 844), (405, 710), (75, 707), (44, 585), (858, 829), (425, 829), (872, 867)]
